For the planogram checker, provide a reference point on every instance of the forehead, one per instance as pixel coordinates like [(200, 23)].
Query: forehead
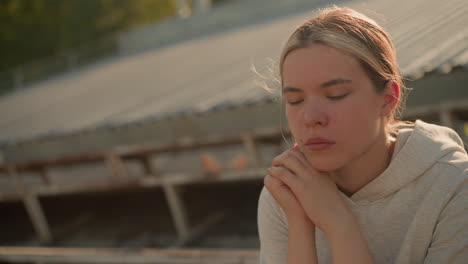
[(319, 63)]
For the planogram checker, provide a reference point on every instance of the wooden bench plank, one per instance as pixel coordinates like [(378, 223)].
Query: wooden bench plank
[(126, 255)]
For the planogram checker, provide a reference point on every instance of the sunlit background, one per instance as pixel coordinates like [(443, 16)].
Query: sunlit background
[(139, 130)]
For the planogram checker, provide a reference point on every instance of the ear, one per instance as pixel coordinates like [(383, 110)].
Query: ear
[(391, 97)]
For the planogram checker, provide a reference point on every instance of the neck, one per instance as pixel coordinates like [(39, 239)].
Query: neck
[(366, 167)]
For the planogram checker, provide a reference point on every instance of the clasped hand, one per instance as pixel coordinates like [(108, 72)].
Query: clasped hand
[(303, 192)]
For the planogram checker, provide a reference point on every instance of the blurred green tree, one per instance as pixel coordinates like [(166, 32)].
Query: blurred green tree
[(33, 29)]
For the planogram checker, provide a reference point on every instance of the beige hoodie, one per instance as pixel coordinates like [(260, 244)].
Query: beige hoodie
[(416, 211)]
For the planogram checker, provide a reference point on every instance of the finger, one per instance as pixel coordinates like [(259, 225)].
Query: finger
[(292, 160), (285, 176), (309, 168), (272, 183), (292, 151), (275, 186), (280, 191), (296, 152)]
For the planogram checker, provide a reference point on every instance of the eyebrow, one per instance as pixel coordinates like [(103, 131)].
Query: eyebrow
[(323, 85), (335, 82)]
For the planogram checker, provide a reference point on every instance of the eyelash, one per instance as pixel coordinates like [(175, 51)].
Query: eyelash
[(337, 97), (295, 102), (334, 98)]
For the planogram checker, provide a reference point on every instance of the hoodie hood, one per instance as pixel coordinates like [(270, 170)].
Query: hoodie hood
[(418, 147)]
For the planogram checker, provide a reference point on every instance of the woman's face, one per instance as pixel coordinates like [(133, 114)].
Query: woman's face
[(333, 110)]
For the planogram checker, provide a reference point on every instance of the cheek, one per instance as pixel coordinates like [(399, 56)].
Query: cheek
[(359, 121), (362, 107), (348, 115), (295, 121)]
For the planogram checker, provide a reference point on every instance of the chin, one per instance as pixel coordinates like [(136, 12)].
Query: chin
[(324, 164)]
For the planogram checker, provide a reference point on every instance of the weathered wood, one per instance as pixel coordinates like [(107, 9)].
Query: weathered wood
[(114, 161), (74, 226), (9, 196), (118, 171), (15, 177), (426, 110), (201, 228), (125, 255), (142, 150), (44, 175), (33, 165), (183, 144), (252, 150), (87, 187), (187, 143), (33, 207), (178, 179), (148, 165), (115, 164), (38, 219), (177, 208), (224, 176)]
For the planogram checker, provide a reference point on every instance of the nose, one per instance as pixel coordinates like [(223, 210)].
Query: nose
[(314, 115)]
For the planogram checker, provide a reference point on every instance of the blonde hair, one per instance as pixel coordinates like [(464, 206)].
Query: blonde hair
[(357, 35)]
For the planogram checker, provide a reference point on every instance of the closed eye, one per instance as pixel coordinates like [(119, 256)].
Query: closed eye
[(337, 97), (295, 102)]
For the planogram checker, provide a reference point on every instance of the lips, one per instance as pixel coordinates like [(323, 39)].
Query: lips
[(318, 144)]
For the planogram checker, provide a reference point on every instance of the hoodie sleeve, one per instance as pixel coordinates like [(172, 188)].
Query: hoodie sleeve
[(450, 238), (273, 231)]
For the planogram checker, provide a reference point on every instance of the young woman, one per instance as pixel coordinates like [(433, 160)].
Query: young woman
[(358, 186)]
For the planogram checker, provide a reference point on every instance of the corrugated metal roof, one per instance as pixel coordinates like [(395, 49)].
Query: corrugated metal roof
[(215, 71)]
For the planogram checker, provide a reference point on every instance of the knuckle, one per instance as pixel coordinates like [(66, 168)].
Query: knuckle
[(275, 161), (276, 170), (297, 155), (269, 181), (278, 159), (281, 158), (283, 173)]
